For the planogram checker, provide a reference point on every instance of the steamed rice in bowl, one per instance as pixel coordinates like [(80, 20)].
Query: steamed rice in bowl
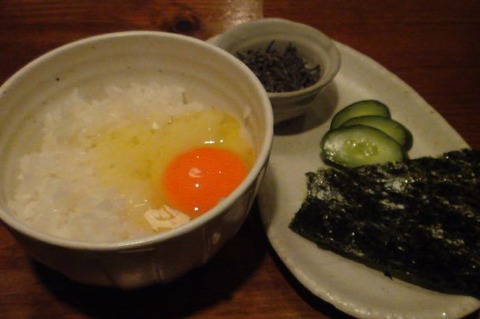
[(80, 133), (96, 174)]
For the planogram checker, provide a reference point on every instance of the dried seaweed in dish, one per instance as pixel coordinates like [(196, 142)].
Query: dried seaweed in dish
[(280, 71), (417, 220)]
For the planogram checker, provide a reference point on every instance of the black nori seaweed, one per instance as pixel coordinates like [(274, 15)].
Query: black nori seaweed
[(417, 220)]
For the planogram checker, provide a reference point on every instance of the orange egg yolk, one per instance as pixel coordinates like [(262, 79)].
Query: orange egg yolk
[(196, 180)]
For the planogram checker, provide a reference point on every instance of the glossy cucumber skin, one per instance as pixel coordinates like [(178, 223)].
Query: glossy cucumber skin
[(389, 126), (360, 108), (359, 145)]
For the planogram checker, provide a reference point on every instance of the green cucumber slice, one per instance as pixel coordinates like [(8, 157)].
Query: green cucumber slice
[(360, 108), (359, 145), (392, 128)]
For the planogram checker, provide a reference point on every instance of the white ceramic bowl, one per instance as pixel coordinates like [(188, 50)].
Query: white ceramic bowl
[(314, 46), (209, 74)]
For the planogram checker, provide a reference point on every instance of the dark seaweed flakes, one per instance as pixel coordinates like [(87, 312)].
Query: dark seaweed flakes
[(417, 220), (280, 71)]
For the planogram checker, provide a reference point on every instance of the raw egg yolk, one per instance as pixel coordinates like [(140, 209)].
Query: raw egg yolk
[(196, 180)]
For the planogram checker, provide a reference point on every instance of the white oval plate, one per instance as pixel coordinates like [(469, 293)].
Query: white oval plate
[(352, 287)]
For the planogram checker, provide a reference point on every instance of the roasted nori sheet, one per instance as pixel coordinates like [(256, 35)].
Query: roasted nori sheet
[(417, 220)]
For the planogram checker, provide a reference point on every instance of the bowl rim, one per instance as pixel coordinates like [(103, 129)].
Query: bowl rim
[(139, 243), (333, 52)]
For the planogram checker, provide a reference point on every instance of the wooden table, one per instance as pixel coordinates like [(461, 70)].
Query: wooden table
[(433, 45)]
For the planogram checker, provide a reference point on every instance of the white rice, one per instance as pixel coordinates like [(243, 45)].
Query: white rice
[(58, 191)]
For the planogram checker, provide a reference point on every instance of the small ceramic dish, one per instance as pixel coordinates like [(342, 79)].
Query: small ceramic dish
[(313, 46)]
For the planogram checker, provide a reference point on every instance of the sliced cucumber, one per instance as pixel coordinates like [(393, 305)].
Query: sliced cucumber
[(360, 108), (359, 145), (392, 128)]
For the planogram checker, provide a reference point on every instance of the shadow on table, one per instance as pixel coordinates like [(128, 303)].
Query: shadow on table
[(201, 288), (206, 286)]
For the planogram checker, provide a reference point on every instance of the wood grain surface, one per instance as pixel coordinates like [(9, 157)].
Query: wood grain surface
[(433, 45)]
